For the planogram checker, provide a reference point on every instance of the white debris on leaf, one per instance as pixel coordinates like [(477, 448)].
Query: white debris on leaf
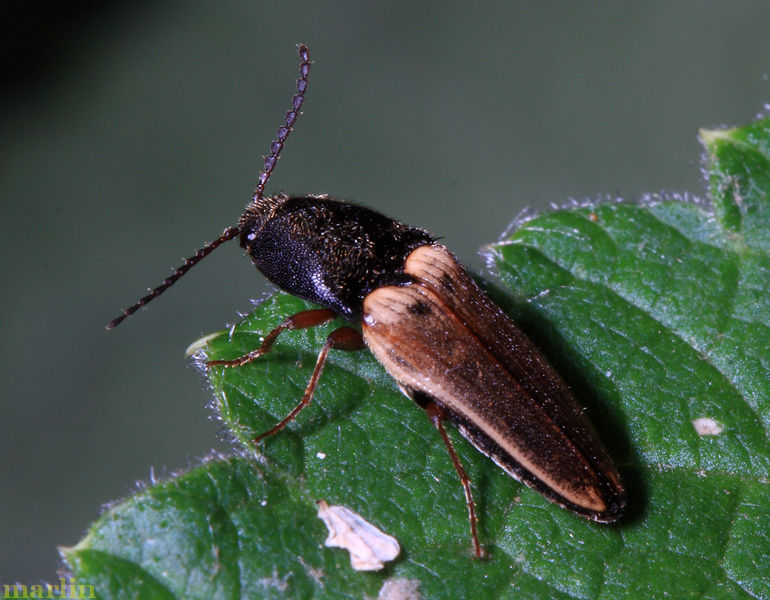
[(369, 547), (707, 426), (400, 589)]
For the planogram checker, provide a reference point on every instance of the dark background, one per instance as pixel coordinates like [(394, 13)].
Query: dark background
[(131, 135)]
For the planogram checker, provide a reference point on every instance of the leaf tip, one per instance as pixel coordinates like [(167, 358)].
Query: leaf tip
[(201, 343), (709, 137)]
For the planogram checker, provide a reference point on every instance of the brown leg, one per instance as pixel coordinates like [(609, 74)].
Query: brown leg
[(343, 338), (302, 320), (437, 415)]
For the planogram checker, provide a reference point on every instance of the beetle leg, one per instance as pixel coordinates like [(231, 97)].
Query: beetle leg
[(302, 320), (344, 338), (437, 415)]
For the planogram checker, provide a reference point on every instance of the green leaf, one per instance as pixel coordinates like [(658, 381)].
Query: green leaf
[(658, 315)]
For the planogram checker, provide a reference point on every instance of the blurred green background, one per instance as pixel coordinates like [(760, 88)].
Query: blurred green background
[(132, 134)]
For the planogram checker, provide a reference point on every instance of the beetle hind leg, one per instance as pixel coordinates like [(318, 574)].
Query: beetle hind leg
[(437, 416)]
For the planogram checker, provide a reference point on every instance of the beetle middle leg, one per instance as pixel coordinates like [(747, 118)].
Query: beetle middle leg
[(437, 416), (344, 338)]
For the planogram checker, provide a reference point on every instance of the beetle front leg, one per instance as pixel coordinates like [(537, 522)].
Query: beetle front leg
[(302, 320)]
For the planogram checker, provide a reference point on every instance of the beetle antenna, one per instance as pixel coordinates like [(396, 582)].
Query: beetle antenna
[(226, 236), (231, 232), (291, 118)]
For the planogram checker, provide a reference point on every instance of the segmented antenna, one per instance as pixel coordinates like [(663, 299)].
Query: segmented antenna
[(291, 117), (231, 232)]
